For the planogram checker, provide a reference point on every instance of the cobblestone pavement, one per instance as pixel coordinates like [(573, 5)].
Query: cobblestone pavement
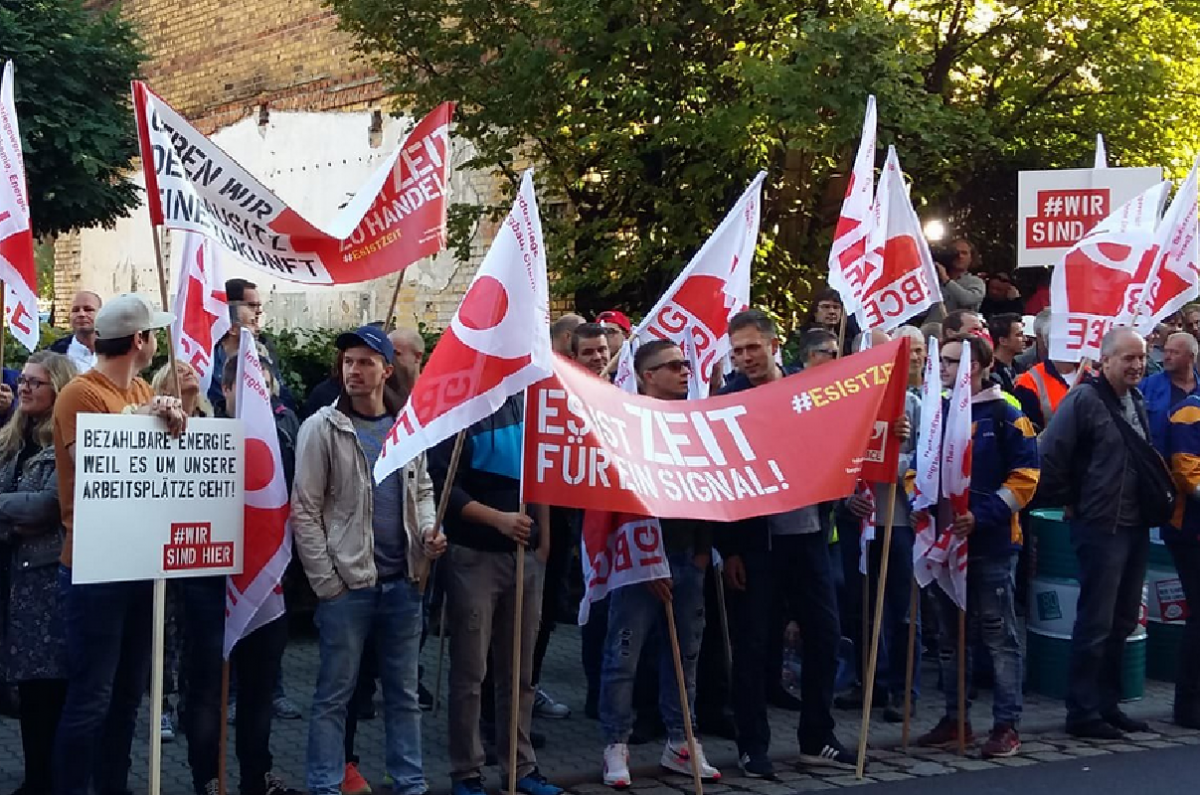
[(574, 746)]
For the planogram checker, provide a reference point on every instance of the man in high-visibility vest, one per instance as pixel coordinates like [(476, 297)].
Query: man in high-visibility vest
[(1041, 388)]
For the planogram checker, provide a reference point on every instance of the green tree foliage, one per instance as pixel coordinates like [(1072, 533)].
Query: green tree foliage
[(73, 68), (647, 118)]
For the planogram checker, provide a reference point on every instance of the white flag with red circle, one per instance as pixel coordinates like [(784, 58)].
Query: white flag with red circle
[(618, 550), (1099, 282), (714, 287), (17, 268), (497, 344), (254, 598), (1174, 279), (849, 271), (904, 279), (951, 550), (927, 486), (201, 307)]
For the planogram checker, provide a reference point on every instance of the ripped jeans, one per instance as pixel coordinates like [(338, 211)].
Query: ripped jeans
[(634, 612), (992, 618)]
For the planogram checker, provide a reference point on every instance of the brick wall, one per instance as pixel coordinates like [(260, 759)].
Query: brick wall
[(218, 62)]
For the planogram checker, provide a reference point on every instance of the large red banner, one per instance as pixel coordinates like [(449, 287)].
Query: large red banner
[(791, 443)]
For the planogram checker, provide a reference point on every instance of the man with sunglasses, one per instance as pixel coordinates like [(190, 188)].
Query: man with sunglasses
[(782, 554), (636, 612), (245, 309)]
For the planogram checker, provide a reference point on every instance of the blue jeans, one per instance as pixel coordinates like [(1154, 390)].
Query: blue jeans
[(633, 613), (1112, 573), (992, 619), (393, 611), (108, 629)]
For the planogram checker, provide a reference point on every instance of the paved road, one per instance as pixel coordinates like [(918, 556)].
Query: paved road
[(1161, 772), (572, 755)]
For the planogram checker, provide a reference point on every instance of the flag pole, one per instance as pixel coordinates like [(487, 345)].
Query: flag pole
[(873, 659), (962, 682), (3, 325), (719, 577), (443, 505), (514, 696), (910, 662), (158, 630), (389, 320), (669, 605)]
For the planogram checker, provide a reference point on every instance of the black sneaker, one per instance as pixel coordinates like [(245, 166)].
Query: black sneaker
[(756, 766), (424, 698), (831, 755), (468, 786), (1095, 729), (894, 711), (1125, 723)]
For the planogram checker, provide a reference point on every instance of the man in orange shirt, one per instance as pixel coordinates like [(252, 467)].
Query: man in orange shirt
[(107, 624)]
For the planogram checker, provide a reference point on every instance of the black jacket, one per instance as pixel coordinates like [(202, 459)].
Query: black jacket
[(1085, 463), (754, 534), (489, 472)]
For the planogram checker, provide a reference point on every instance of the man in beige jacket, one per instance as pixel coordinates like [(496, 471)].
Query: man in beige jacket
[(364, 549)]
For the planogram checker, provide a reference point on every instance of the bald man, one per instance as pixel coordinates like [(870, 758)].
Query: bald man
[(80, 346), (1090, 454), (410, 350), (561, 332)]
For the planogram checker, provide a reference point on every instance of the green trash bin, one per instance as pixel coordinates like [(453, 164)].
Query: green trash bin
[(1052, 603), (1051, 553), (1166, 614)]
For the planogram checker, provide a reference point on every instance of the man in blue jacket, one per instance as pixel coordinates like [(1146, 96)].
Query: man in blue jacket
[(786, 554), (1182, 537), (1163, 391), (1004, 476)]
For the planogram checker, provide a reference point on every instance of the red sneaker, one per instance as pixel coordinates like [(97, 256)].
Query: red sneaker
[(945, 735), (1002, 742), (353, 783)]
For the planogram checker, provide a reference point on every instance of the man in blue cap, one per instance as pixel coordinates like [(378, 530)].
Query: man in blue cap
[(363, 550)]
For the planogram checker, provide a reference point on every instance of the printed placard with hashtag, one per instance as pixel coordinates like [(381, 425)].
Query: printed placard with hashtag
[(191, 547)]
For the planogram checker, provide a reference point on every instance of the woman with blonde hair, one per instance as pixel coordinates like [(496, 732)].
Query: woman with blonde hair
[(34, 640), (195, 404)]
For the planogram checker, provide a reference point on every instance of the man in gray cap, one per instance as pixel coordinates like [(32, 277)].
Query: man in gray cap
[(107, 624)]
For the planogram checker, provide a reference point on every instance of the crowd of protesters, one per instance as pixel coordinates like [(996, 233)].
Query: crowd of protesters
[(1046, 433)]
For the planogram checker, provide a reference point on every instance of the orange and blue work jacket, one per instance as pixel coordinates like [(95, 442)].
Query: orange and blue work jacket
[(1183, 454), (1004, 472)]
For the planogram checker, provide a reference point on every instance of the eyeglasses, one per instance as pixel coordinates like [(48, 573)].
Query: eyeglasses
[(674, 365), (32, 383)]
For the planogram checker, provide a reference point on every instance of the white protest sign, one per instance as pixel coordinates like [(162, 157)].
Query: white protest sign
[(150, 506), (1055, 209)]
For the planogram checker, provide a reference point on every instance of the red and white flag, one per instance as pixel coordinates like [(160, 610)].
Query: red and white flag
[(201, 307), (928, 482), (866, 532), (951, 550), (1099, 282), (1174, 279), (619, 549), (254, 598), (17, 269), (849, 271), (713, 287), (906, 283), (395, 219), (497, 344)]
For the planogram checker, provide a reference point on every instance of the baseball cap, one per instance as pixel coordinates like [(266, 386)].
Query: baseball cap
[(126, 315), (616, 317), (371, 336)]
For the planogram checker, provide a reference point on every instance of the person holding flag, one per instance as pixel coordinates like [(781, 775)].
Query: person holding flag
[(255, 633), (364, 551), (635, 611), (1001, 462)]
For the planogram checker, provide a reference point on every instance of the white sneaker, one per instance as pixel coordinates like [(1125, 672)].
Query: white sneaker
[(675, 759), (167, 728), (616, 766)]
